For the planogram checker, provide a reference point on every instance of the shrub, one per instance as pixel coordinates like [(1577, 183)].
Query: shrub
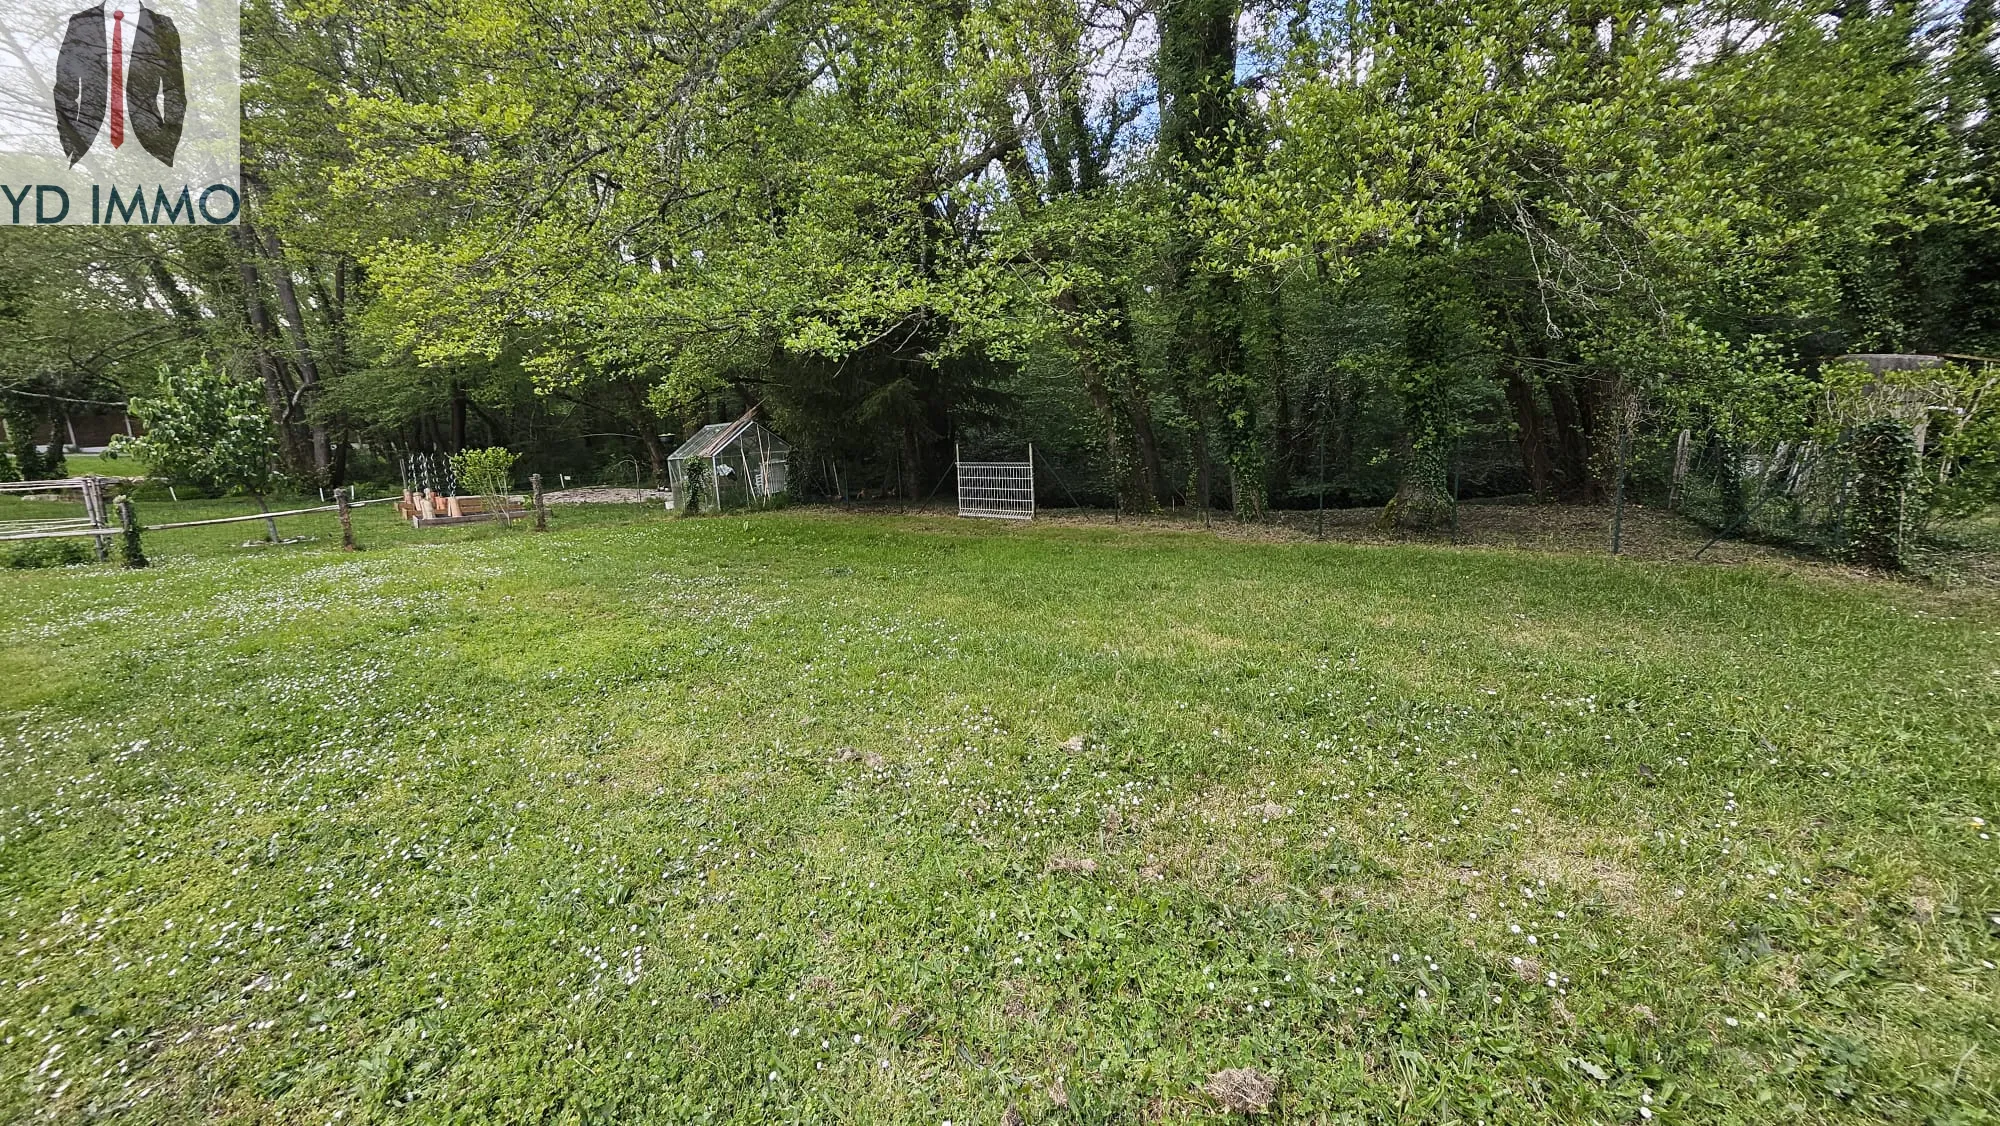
[(1885, 456), (35, 554), (29, 461), (488, 472), (694, 475), (207, 428)]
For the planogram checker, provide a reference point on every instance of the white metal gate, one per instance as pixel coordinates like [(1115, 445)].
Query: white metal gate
[(1000, 490)]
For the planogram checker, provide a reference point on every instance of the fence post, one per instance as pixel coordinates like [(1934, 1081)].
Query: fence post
[(346, 521), (1457, 481), (541, 509), (1618, 495), (1681, 446), (1319, 520), (130, 550), (1628, 420), (93, 507)]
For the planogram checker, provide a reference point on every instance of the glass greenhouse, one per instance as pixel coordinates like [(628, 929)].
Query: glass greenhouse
[(746, 465)]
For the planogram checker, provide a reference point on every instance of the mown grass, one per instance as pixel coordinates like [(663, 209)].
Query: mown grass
[(803, 817)]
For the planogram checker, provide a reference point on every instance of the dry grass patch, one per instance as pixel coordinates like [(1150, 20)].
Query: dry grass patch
[(1205, 639), (1242, 1090), (1581, 861)]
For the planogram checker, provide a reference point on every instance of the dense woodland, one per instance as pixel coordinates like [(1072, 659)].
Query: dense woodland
[(1199, 252)]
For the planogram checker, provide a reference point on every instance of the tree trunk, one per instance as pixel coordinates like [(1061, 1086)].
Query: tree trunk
[(270, 524), (1151, 474), (1125, 481), (1345, 408), (496, 430), (278, 389), (656, 455), (1423, 493), (1279, 483), (1085, 352), (647, 425), (1136, 484), (187, 317), (335, 304), (1197, 84), (302, 353), (1204, 473), (1573, 450), (457, 417), (1532, 435)]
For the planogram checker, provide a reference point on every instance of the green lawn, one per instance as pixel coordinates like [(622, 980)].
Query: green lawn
[(786, 818)]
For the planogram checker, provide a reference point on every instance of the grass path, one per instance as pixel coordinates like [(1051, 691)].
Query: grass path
[(800, 817)]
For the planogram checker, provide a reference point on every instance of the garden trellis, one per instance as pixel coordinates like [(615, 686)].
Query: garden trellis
[(997, 490), (432, 472), (747, 464)]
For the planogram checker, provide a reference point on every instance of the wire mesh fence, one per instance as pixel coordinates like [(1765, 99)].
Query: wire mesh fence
[(998, 490), (1792, 493), (1812, 496)]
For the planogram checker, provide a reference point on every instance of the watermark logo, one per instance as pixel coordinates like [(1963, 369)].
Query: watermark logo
[(150, 89), (123, 114)]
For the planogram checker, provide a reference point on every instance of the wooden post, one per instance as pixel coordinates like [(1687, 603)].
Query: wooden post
[(93, 507), (1319, 521), (346, 521), (134, 557), (1457, 479), (541, 509), (1682, 444), (1618, 495)]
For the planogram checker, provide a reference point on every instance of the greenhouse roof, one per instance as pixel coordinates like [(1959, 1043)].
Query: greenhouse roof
[(718, 436), (706, 440)]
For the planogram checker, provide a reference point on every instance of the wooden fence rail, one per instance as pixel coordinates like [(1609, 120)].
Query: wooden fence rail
[(95, 522), (261, 515), (112, 531), (129, 528), (60, 484), (67, 533)]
